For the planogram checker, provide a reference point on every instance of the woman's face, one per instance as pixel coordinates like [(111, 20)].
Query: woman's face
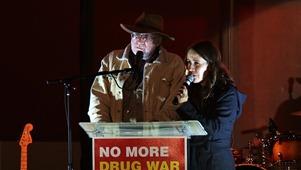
[(196, 65)]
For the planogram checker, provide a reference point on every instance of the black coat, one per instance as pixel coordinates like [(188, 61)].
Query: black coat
[(218, 115)]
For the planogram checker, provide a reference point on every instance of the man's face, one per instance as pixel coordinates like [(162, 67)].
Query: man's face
[(145, 42)]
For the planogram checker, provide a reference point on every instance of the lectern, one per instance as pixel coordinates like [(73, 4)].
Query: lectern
[(141, 145)]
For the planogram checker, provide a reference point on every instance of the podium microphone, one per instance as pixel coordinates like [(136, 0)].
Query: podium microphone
[(137, 62), (139, 55), (189, 79)]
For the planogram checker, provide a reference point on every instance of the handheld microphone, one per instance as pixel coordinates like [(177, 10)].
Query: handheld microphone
[(189, 79)]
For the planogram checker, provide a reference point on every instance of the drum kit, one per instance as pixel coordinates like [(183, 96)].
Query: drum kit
[(273, 151)]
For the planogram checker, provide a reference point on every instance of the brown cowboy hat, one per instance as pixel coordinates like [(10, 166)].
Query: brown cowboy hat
[(147, 23)]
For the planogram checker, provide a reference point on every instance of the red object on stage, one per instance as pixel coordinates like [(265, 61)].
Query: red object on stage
[(140, 153)]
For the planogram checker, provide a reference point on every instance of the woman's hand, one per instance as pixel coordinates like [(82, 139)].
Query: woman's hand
[(182, 95)]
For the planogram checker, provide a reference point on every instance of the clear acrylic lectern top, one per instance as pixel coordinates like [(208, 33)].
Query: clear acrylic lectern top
[(132, 129)]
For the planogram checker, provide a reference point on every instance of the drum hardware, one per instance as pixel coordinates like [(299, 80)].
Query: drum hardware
[(281, 152), (259, 151), (249, 167), (285, 165), (280, 156), (287, 147), (274, 151), (237, 155)]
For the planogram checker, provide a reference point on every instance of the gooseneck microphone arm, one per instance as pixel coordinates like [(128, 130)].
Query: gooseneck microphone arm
[(67, 93), (62, 81)]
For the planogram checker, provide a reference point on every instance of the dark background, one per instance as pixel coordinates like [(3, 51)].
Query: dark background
[(55, 39)]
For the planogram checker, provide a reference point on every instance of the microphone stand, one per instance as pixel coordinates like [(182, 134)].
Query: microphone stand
[(67, 92)]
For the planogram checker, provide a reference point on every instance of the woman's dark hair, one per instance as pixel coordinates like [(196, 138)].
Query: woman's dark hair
[(216, 74)]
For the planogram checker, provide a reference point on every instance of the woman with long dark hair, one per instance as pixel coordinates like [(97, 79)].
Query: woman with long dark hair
[(212, 99)]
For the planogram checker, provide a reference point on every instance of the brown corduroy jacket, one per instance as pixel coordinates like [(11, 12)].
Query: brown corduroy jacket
[(161, 82)]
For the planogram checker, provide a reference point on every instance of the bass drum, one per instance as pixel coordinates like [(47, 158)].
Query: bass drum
[(249, 167), (287, 148)]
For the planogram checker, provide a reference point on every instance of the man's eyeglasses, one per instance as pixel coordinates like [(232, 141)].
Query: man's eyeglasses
[(141, 36)]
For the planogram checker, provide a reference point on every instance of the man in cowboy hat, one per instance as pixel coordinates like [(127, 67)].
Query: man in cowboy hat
[(147, 93)]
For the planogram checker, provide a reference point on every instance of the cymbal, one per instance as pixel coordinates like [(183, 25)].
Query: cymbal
[(255, 130), (297, 113)]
